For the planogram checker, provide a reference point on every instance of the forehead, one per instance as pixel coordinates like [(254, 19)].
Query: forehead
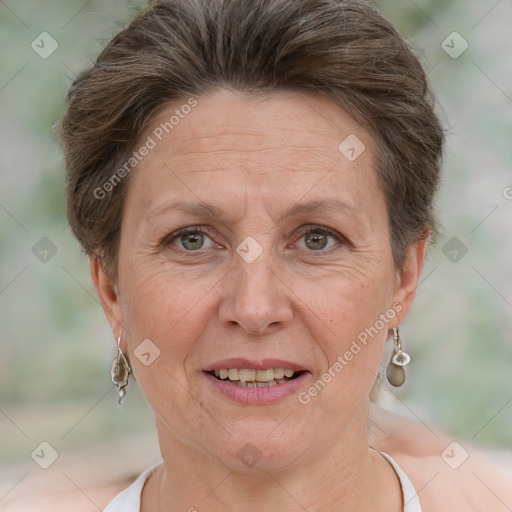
[(284, 144)]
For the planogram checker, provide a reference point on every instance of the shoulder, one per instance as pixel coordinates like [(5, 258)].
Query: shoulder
[(477, 485), (88, 499), (122, 495), (448, 475)]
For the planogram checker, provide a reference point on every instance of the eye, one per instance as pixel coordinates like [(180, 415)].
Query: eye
[(317, 238), (190, 239)]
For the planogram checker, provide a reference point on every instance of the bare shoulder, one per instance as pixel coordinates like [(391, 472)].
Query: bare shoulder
[(89, 499), (448, 475)]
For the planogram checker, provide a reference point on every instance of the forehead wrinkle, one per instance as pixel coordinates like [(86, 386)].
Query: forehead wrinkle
[(208, 210), (269, 149), (225, 143), (244, 172), (185, 163), (197, 133), (191, 147)]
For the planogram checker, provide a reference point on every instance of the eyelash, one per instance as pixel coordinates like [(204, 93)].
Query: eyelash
[(185, 231), (199, 229), (320, 229)]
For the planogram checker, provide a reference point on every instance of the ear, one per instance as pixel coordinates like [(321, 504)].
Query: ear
[(408, 279), (106, 289)]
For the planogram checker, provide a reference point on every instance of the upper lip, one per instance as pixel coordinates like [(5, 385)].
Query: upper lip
[(260, 364)]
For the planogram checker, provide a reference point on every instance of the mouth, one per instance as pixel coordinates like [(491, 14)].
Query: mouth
[(251, 378), (256, 382)]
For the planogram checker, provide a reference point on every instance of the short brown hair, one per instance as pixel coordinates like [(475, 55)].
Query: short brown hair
[(174, 49)]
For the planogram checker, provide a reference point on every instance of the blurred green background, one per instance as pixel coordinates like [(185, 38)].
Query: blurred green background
[(56, 346)]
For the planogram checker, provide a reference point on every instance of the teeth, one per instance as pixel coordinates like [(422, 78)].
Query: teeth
[(264, 375), (255, 378), (257, 384), (247, 375), (279, 373)]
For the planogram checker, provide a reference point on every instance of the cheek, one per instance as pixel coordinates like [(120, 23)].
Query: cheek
[(347, 306), (345, 317), (169, 310), (352, 351)]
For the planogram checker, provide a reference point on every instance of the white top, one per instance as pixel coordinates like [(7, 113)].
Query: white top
[(411, 500), (129, 499)]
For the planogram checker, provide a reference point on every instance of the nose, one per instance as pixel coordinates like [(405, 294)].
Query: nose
[(254, 298)]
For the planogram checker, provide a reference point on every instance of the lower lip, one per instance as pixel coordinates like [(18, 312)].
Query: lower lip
[(262, 395)]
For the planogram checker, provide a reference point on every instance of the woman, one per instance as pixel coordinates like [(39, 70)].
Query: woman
[(254, 184)]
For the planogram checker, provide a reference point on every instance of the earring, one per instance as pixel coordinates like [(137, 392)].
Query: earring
[(395, 372), (120, 372)]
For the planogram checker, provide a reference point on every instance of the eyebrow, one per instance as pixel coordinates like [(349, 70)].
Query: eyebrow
[(198, 209), (311, 207), (207, 210)]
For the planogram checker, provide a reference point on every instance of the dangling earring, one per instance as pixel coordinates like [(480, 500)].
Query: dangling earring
[(395, 372), (120, 372)]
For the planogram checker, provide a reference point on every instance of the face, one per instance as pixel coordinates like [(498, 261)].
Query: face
[(251, 242)]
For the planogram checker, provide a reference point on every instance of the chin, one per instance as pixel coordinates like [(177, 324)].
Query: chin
[(256, 449)]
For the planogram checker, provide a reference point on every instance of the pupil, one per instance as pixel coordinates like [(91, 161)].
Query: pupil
[(192, 241), (319, 241)]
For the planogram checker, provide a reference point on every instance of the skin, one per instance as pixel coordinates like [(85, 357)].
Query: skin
[(254, 159), (416, 447)]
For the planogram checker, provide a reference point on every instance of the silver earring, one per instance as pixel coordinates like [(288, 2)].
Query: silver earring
[(395, 372), (120, 372)]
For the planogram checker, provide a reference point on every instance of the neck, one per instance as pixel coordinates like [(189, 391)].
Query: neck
[(346, 475)]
